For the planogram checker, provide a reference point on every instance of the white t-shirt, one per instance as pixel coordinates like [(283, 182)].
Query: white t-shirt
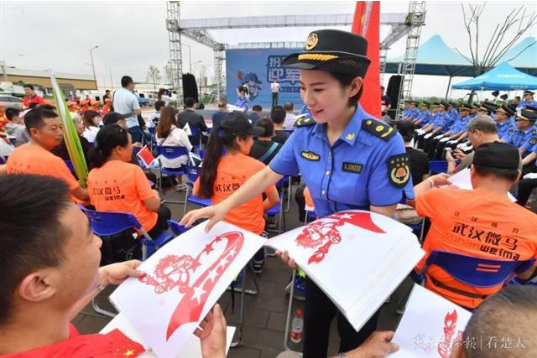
[(275, 87), (126, 102), (90, 133), (176, 138), (289, 122)]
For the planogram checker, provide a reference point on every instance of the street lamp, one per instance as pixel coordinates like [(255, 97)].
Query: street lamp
[(92, 65)]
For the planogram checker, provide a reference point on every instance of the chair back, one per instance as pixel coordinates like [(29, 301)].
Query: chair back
[(108, 224), (192, 173), (152, 130), (172, 152), (475, 271), (438, 166), (283, 182), (177, 228)]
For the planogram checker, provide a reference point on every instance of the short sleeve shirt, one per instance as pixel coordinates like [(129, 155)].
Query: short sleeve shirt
[(123, 187), (476, 223), (362, 168), (126, 102), (33, 159)]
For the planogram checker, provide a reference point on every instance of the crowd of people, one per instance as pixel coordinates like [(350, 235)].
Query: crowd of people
[(346, 158)]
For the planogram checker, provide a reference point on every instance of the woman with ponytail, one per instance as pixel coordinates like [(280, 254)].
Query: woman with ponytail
[(243, 101), (227, 166), (114, 184)]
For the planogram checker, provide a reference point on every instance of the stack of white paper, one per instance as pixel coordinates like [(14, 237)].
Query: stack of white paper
[(184, 280), (430, 326), (357, 258)]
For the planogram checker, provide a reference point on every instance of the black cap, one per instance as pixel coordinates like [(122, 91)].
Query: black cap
[(507, 110), (475, 106), (527, 115), (332, 51), (112, 118), (237, 122), (464, 107), (425, 103), (497, 155), (530, 108), (528, 92)]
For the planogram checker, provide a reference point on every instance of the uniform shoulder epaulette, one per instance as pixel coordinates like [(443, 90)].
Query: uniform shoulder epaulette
[(378, 129), (302, 122)]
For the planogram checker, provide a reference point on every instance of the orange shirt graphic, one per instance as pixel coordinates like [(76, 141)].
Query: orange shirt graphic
[(33, 159), (232, 172), (476, 223), (122, 187)]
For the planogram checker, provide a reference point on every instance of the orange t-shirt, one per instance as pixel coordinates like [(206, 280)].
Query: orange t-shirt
[(475, 223), (122, 187), (232, 172), (33, 159)]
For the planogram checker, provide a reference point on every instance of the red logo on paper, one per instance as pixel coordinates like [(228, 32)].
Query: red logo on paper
[(175, 272), (323, 233), (450, 326)]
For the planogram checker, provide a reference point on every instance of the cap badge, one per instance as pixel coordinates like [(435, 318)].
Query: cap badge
[(312, 41)]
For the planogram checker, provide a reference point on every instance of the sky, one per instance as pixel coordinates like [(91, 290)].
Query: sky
[(132, 35)]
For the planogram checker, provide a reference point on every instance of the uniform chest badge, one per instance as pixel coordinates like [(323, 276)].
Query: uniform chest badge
[(355, 168), (399, 170), (310, 156)]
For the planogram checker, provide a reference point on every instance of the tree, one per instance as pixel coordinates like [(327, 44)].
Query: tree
[(168, 73), (153, 76), (501, 40)]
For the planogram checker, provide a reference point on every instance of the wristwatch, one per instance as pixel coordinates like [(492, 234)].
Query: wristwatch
[(342, 355)]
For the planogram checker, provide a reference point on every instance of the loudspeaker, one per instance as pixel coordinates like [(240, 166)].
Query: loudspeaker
[(394, 86), (190, 87)]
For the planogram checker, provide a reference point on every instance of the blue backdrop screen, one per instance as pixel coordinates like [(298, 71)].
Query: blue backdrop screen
[(259, 68)]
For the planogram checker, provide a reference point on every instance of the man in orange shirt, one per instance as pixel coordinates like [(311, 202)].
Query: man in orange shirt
[(31, 97), (107, 106), (35, 157), (482, 222), (50, 272)]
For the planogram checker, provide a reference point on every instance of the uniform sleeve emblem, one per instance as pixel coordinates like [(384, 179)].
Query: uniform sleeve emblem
[(399, 170), (310, 156), (533, 141)]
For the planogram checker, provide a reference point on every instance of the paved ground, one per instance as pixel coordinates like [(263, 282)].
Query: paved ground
[(265, 314)]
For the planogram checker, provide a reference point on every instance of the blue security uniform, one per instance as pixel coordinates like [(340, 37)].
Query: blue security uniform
[(243, 103), (531, 103), (305, 110), (442, 119), (523, 139), (460, 125), (505, 128), (367, 165), (426, 117)]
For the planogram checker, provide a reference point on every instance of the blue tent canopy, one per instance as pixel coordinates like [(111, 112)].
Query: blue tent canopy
[(501, 78), (437, 59)]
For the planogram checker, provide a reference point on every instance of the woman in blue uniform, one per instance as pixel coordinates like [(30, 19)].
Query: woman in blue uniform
[(347, 158)]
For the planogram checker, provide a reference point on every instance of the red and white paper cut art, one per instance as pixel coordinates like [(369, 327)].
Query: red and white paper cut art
[(358, 258), (430, 326), (183, 281)]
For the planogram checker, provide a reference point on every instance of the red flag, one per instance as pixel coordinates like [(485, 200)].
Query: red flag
[(146, 156), (112, 344), (367, 24)]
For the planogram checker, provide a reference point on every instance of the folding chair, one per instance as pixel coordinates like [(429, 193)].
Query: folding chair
[(473, 271), (171, 153), (192, 174), (177, 228), (111, 223), (195, 132), (70, 166)]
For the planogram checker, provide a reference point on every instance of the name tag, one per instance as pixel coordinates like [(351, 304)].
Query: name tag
[(352, 167), (311, 156)]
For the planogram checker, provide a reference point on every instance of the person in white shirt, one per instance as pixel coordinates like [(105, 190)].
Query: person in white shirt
[(91, 120), (169, 134), (290, 117), (275, 87), (126, 102)]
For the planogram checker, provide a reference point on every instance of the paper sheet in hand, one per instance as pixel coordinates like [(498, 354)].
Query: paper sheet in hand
[(462, 180), (430, 326), (357, 258), (184, 280), (192, 348)]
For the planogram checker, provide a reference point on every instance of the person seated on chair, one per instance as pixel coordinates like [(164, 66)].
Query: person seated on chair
[(264, 148), (155, 116), (277, 116), (114, 184), (256, 113), (35, 157), (91, 120), (482, 222), (220, 114), (502, 326), (227, 166), (195, 121), (168, 134), (43, 289), (61, 150)]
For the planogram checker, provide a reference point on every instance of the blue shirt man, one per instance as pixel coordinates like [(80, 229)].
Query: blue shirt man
[(367, 165), (460, 125), (503, 117), (425, 117), (525, 137)]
